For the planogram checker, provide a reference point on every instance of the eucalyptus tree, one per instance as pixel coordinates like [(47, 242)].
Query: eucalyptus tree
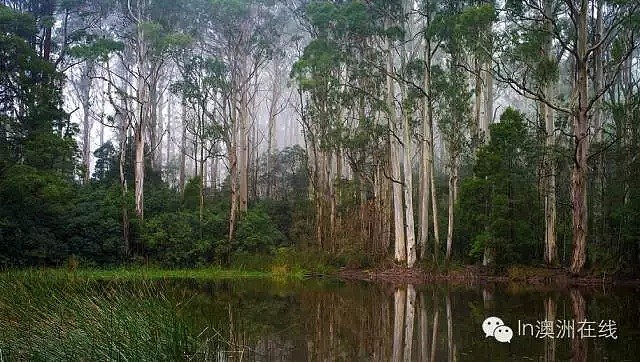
[(203, 78), (242, 34), (568, 24)]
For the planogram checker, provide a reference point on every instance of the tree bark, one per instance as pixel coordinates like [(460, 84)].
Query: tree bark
[(85, 99), (408, 195), (453, 185), (141, 98), (398, 210), (183, 146), (549, 189), (581, 139)]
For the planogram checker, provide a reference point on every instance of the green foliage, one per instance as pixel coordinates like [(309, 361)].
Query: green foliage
[(498, 206), (34, 204), (172, 239), (257, 233)]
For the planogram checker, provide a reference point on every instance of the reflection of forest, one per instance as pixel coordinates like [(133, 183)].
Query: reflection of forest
[(365, 322)]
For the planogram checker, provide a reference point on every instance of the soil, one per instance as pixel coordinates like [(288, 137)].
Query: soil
[(479, 275)]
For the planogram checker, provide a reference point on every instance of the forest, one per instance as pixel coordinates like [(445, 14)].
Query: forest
[(351, 133)]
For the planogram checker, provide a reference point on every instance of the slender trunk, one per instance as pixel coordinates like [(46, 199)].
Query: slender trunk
[(183, 147), (581, 139), (159, 133), (598, 198), (169, 131), (47, 7), (394, 159), (487, 118), (84, 94), (152, 124), (141, 125), (477, 129), (102, 107), (425, 179), (407, 140), (139, 171), (233, 172), (408, 194), (550, 251), (243, 142), (453, 185), (123, 188), (434, 199)]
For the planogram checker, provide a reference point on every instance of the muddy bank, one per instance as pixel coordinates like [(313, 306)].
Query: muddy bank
[(478, 275)]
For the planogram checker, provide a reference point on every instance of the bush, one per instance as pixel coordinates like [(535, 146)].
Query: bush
[(257, 233), (179, 239)]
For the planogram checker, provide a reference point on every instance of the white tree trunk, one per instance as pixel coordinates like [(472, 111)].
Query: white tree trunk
[(394, 159), (141, 125), (453, 194)]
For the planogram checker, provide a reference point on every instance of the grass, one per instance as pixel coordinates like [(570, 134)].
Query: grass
[(48, 318), (151, 273), (115, 314)]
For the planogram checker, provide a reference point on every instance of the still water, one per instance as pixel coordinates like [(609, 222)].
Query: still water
[(321, 320)]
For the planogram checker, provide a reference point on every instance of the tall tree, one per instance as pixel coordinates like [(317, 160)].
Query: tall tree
[(526, 72)]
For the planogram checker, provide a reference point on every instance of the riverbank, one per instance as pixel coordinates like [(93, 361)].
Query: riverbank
[(151, 273), (472, 274)]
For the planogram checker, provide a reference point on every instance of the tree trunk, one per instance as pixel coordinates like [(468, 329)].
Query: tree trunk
[(477, 129), (486, 119), (453, 185), (183, 146), (434, 199), (141, 125), (85, 99), (408, 195), (394, 159), (152, 124), (123, 186), (232, 146), (581, 138), (425, 180), (550, 250), (243, 142), (169, 131)]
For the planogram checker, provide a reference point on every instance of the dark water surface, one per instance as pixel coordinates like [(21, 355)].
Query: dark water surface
[(320, 320)]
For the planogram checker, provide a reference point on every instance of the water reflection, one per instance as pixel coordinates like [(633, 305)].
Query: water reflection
[(351, 321)]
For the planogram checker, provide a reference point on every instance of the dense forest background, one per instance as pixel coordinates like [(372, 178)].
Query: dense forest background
[(185, 133)]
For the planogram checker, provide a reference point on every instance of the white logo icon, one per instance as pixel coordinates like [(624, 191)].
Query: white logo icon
[(494, 327)]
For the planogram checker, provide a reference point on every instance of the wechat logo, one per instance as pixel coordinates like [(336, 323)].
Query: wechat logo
[(494, 327)]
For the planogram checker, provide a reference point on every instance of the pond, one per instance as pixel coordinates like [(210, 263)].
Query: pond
[(313, 320)]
